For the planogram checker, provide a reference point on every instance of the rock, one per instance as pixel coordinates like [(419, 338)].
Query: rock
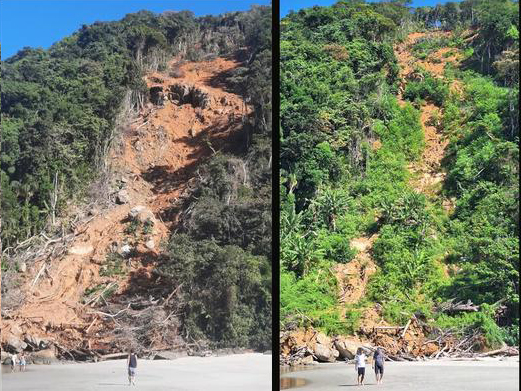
[(346, 348), (183, 94), (125, 249), (33, 341), (323, 339), (307, 360), (157, 96), (15, 344), (325, 353), (5, 356), (80, 249), (122, 197), (7, 361), (150, 244), (22, 267), (167, 355), (141, 214), (46, 356)]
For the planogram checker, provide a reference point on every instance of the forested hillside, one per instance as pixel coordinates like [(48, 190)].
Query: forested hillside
[(87, 140), (399, 175)]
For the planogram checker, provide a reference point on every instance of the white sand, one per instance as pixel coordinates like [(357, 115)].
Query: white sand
[(487, 375), (245, 372)]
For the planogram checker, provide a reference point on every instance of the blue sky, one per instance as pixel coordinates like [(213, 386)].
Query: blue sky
[(40, 23), (288, 5)]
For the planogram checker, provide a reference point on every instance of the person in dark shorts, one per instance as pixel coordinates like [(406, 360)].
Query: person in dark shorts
[(360, 365), (132, 365), (378, 365)]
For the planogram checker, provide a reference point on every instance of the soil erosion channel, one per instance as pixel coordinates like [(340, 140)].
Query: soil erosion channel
[(154, 160)]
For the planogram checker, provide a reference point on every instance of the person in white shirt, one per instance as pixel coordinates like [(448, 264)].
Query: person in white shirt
[(13, 362), (360, 365)]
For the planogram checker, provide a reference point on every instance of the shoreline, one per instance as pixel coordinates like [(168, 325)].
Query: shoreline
[(419, 360), (166, 355), (249, 371), (432, 375)]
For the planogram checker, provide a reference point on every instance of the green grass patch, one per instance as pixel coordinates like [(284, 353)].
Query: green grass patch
[(114, 265)]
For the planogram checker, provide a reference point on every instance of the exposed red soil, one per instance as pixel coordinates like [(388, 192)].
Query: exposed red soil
[(156, 159), (427, 178), (428, 174)]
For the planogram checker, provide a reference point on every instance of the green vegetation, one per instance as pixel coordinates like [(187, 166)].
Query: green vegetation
[(114, 265), (430, 88), (103, 290), (226, 291), (338, 86)]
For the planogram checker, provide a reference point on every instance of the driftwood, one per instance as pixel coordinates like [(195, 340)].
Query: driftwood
[(405, 328), (451, 307), (505, 351), (114, 356)]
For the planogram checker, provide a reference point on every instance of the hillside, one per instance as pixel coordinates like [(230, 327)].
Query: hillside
[(137, 202), (391, 176)]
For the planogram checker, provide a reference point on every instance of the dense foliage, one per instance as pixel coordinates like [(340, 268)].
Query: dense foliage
[(345, 147), (60, 112)]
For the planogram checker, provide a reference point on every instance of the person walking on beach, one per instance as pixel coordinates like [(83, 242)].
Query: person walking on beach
[(360, 365), (13, 362), (132, 365), (378, 365), (22, 362)]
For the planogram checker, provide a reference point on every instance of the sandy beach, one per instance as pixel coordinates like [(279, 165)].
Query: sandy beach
[(484, 375), (251, 371)]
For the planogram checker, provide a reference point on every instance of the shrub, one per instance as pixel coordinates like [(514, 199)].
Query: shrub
[(430, 88), (113, 266)]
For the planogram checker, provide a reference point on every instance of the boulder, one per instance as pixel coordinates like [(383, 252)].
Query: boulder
[(81, 249), (141, 214), (150, 244), (168, 355), (183, 94), (307, 360), (323, 339), (346, 348), (15, 344), (4, 356), (125, 249), (157, 96), (33, 341), (46, 356), (324, 353), (122, 197)]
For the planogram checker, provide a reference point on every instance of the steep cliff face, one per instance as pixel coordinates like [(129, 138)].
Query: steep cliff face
[(154, 139), (107, 261), (389, 138)]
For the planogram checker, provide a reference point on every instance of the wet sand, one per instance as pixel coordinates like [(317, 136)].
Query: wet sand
[(426, 376), (251, 372)]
